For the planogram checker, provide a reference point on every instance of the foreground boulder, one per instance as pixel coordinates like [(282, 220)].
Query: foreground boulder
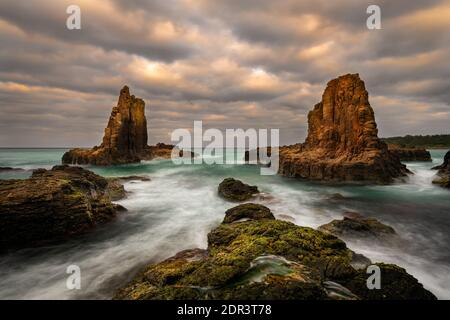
[(342, 142), (265, 259), (409, 153), (396, 284), (53, 205), (125, 138), (443, 174), (235, 190), (354, 225), (247, 211)]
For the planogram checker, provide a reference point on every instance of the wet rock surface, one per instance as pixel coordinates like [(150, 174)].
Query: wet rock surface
[(54, 205), (354, 225), (268, 259), (443, 174), (247, 211), (235, 190)]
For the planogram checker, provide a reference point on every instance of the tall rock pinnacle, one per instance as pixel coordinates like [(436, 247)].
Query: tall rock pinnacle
[(342, 142), (126, 132), (125, 138)]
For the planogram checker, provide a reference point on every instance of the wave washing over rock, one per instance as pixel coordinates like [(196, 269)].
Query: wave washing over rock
[(264, 258)]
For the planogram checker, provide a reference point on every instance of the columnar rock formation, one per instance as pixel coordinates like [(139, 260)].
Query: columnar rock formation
[(126, 132), (125, 137), (342, 142)]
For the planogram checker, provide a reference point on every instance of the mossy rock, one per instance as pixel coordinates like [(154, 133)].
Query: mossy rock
[(249, 211), (53, 205), (235, 190), (310, 257), (396, 284)]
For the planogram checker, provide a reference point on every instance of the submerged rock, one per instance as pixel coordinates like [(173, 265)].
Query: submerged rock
[(409, 153), (355, 225), (125, 138), (235, 190), (264, 259), (53, 205), (443, 174), (6, 169), (132, 178), (247, 211)]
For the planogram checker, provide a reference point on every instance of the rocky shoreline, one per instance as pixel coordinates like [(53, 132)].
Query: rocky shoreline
[(251, 255), (409, 154), (54, 205), (443, 174)]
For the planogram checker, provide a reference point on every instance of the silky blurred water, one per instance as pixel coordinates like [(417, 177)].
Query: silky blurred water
[(179, 206)]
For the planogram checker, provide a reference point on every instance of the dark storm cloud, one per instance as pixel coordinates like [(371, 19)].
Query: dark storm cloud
[(231, 64)]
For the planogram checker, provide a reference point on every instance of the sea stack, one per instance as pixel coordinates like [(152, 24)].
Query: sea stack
[(125, 137), (342, 142)]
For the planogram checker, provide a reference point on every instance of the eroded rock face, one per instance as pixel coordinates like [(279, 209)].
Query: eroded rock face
[(443, 174), (342, 142), (267, 259), (125, 137), (235, 190), (409, 154), (53, 205)]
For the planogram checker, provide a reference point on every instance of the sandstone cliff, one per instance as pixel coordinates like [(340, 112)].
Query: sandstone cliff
[(342, 142), (125, 137)]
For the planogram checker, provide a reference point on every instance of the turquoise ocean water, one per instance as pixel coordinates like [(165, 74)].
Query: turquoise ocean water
[(179, 206)]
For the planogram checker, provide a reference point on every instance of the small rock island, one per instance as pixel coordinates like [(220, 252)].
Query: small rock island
[(342, 143), (125, 138)]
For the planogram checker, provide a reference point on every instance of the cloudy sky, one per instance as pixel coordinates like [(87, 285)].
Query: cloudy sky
[(232, 64)]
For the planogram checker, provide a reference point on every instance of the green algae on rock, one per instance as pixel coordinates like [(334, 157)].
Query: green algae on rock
[(396, 284), (266, 259), (53, 205)]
